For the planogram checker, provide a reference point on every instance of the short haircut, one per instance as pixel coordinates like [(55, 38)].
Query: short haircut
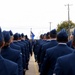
[(63, 40), (53, 35)]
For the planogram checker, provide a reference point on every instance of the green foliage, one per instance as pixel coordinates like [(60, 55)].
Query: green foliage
[(65, 25)]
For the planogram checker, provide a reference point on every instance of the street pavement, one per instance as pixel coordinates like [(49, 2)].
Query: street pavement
[(33, 67)]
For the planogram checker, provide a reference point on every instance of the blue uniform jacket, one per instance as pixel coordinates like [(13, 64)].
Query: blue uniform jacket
[(14, 56), (8, 67), (39, 47), (51, 56), (14, 46), (65, 65), (23, 52), (50, 44)]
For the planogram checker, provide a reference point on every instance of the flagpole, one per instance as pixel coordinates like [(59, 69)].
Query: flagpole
[(30, 32)]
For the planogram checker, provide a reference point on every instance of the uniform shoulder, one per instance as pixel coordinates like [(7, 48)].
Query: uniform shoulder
[(9, 63), (51, 49), (15, 52), (65, 57)]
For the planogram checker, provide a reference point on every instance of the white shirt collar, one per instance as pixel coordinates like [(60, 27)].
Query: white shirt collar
[(53, 39), (48, 39), (62, 43)]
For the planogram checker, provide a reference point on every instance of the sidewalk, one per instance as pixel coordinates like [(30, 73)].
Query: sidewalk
[(33, 68)]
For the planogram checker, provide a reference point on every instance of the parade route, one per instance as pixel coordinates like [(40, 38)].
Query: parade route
[(33, 67)]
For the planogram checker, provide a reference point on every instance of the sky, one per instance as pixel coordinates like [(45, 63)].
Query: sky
[(24, 15)]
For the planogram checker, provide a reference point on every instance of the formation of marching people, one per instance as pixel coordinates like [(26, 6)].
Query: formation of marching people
[(55, 53), (15, 52)]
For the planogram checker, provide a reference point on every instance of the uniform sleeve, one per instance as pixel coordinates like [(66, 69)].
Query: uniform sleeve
[(15, 70), (19, 62), (45, 65), (43, 51), (58, 68)]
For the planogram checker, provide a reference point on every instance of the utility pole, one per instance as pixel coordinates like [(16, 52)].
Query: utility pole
[(30, 29), (50, 25), (68, 5)]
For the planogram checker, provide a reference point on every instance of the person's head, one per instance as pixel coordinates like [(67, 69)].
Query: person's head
[(26, 37), (48, 35), (20, 37), (11, 36), (53, 33), (23, 37), (16, 36), (73, 38), (41, 36), (1, 39), (62, 36), (6, 35), (44, 36)]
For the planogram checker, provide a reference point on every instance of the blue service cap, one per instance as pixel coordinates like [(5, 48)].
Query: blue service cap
[(6, 35), (1, 35), (53, 31), (73, 33), (19, 35), (11, 33), (22, 35), (62, 34), (16, 36)]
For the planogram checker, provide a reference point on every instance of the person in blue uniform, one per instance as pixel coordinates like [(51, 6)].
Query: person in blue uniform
[(5, 68), (51, 43), (29, 43), (27, 53), (65, 65), (12, 45), (16, 41), (41, 42), (11, 54), (49, 36), (53, 53), (37, 47), (35, 50), (29, 49)]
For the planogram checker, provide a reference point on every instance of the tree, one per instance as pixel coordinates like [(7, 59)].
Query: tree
[(65, 25)]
